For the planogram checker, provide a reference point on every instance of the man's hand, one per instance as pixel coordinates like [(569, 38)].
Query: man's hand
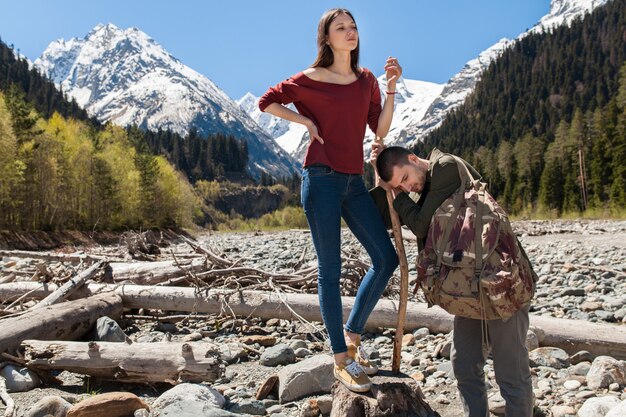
[(377, 148)]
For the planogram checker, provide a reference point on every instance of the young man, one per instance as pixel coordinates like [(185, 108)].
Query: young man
[(435, 179)]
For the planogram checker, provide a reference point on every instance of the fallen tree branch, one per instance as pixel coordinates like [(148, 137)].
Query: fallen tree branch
[(70, 286), (169, 362)]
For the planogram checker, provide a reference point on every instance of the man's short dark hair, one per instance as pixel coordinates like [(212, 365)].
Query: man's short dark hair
[(389, 158)]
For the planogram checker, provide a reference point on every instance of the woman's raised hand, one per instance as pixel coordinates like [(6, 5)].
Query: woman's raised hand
[(393, 70)]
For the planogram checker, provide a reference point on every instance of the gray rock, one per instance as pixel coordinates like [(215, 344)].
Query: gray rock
[(597, 406), (620, 314), (581, 369), (577, 292), (302, 352), (421, 333), (604, 371), (447, 368), (549, 356), (562, 411), (583, 395), (497, 404), (325, 404), (142, 412), (166, 327), (186, 396), (382, 340), (532, 341), (275, 410), (299, 344), (107, 330), (446, 349), (280, 354), (233, 351), (311, 376), (618, 411), (572, 384), (49, 406), (19, 379), (151, 337), (545, 270), (194, 409), (605, 315), (254, 407)]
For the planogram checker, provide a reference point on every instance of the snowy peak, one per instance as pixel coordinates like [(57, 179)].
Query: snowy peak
[(462, 84), (126, 77), (565, 11)]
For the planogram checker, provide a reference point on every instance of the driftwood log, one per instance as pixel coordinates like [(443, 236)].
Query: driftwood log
[(65, 321), (569, 335), (50, 256), (391, 395), (150, 273), (138, 362)]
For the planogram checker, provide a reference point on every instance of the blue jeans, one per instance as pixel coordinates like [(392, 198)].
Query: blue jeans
[(327, 196)]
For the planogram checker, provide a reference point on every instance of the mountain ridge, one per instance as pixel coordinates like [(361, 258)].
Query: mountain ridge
[(126, 77)]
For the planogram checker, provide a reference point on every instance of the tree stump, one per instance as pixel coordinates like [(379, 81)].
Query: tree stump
[(391, 395)]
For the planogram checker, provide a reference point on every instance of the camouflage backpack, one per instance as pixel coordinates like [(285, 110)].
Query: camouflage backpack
[(472, 264)]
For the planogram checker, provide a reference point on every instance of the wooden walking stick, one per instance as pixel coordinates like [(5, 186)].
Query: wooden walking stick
[(404, 280)]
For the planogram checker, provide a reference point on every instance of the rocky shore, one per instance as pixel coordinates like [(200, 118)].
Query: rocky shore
[(582, 276)]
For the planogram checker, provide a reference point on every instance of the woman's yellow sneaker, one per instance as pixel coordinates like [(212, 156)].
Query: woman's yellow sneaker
[(352, 376), (361, 357)]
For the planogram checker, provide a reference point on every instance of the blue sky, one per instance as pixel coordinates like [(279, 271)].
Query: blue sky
[(248, 45)]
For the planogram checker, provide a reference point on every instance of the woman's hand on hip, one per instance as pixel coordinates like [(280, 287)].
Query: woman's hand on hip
[(313, 133)]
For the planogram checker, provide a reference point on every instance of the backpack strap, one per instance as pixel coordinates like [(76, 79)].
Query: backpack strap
[(467, 176)]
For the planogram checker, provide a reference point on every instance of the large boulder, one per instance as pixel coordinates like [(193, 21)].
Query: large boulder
[(49, 406), (604, 371), (311, 376), (598, 406), (19, 379), (190, 394), (110, 404), (280, 354), (549, 356)]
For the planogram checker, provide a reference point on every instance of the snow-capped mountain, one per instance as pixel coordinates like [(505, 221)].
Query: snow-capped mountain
[(125, 77), (463, 83), (564, 11), (288, 135), (421, 107)]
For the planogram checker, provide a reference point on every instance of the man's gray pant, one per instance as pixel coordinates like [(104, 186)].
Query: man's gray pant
[(510, 362)]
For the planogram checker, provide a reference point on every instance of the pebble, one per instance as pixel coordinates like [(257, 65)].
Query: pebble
[(572, 385)]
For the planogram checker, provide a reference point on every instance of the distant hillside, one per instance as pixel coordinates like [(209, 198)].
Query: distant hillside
[(38, 90), (546, 123)]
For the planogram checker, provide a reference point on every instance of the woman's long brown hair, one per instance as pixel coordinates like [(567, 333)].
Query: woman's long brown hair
[(325, 57)]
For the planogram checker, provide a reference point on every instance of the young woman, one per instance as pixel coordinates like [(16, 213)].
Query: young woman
[(336, 99)]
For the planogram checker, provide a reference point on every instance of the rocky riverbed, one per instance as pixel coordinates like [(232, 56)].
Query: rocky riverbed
[(581, 267)]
